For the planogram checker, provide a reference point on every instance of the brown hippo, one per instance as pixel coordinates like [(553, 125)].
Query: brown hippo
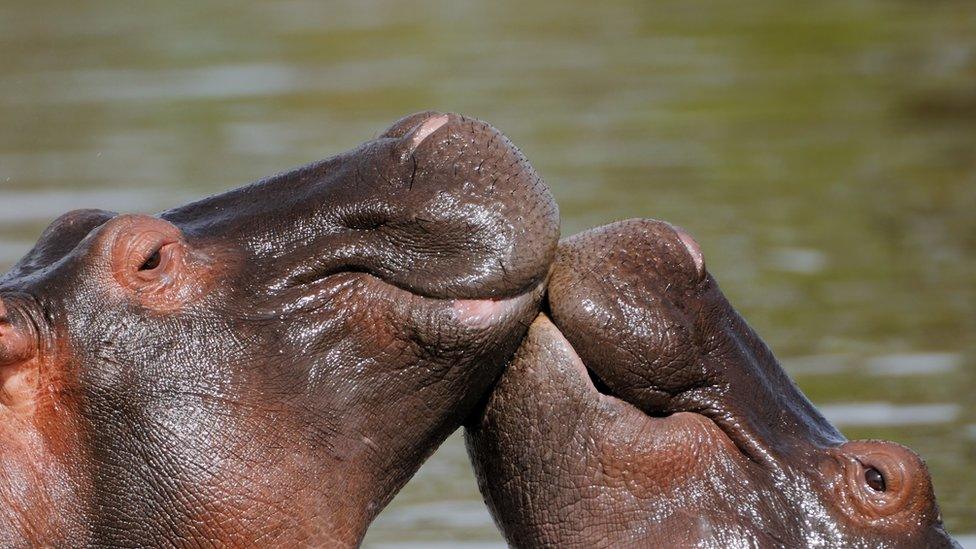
[(643, 411), (266, 367)]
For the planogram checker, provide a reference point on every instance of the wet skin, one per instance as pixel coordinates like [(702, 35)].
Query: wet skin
[(266, 367), (643, 411)]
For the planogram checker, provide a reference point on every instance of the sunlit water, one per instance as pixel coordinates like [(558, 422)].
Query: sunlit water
[(824, 154)]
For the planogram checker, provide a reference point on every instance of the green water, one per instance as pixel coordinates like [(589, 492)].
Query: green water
[(824, 154)]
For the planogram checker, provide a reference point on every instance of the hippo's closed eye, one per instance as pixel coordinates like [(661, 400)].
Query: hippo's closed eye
[(154, 260), (151, 261)]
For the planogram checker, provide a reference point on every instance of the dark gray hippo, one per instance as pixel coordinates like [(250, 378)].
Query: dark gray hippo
[(266, 367), (642, 410)]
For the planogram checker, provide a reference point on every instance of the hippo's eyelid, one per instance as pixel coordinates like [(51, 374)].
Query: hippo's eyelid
[(147, 254), (875, 479), (153, 261), (157, 262)]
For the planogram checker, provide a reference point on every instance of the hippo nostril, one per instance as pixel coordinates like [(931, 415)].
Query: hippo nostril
[(694, 250), (417, 135), (875, 479), (15, 342), (403, 126)]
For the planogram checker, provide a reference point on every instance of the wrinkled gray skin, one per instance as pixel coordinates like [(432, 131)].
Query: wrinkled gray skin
[(266, 367), (643, 411)]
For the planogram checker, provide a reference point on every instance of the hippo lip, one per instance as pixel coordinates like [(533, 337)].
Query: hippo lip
[(439, 205), (599, 390), (474, 312), (312, 279), (482, 313)]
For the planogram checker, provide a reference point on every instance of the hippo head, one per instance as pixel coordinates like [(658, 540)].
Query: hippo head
[(270, 365), (644, 411)]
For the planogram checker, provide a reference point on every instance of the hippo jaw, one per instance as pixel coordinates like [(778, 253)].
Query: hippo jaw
[(272, 364), (655, 414), (598, 471)]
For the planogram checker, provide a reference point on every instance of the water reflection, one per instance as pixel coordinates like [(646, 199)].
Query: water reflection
[(887, 414), (40, 207), (10, 252), (440, 515), (897, 364), (822, 154), (438, 545)]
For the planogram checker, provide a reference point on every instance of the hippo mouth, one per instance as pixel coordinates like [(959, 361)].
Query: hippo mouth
[(605, 393), (653, 329), (472, 312), (696, 405), (439, 205), (724, 428), (732, 429)]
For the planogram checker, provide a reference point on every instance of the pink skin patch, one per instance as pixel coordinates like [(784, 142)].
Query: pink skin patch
[(479, 313), (694, 250), (423, 131)]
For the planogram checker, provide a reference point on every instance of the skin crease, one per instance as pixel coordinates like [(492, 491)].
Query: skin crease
[(642, 410), (270, 365)]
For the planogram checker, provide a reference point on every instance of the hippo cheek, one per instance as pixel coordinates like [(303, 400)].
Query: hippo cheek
[(43, 479), (41, 495), (561, 463)]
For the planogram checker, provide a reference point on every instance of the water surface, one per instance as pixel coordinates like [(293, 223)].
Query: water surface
[(824, 154)]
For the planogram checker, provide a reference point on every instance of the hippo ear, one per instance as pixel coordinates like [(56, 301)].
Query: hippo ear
[(13, 340), (17, 348), (59, 238)]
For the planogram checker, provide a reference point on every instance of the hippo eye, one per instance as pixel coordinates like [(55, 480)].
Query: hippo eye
[(875, 479), (153, 261)]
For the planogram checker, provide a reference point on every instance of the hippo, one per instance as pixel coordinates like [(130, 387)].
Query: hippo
[(267, 366), (642, 410)]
